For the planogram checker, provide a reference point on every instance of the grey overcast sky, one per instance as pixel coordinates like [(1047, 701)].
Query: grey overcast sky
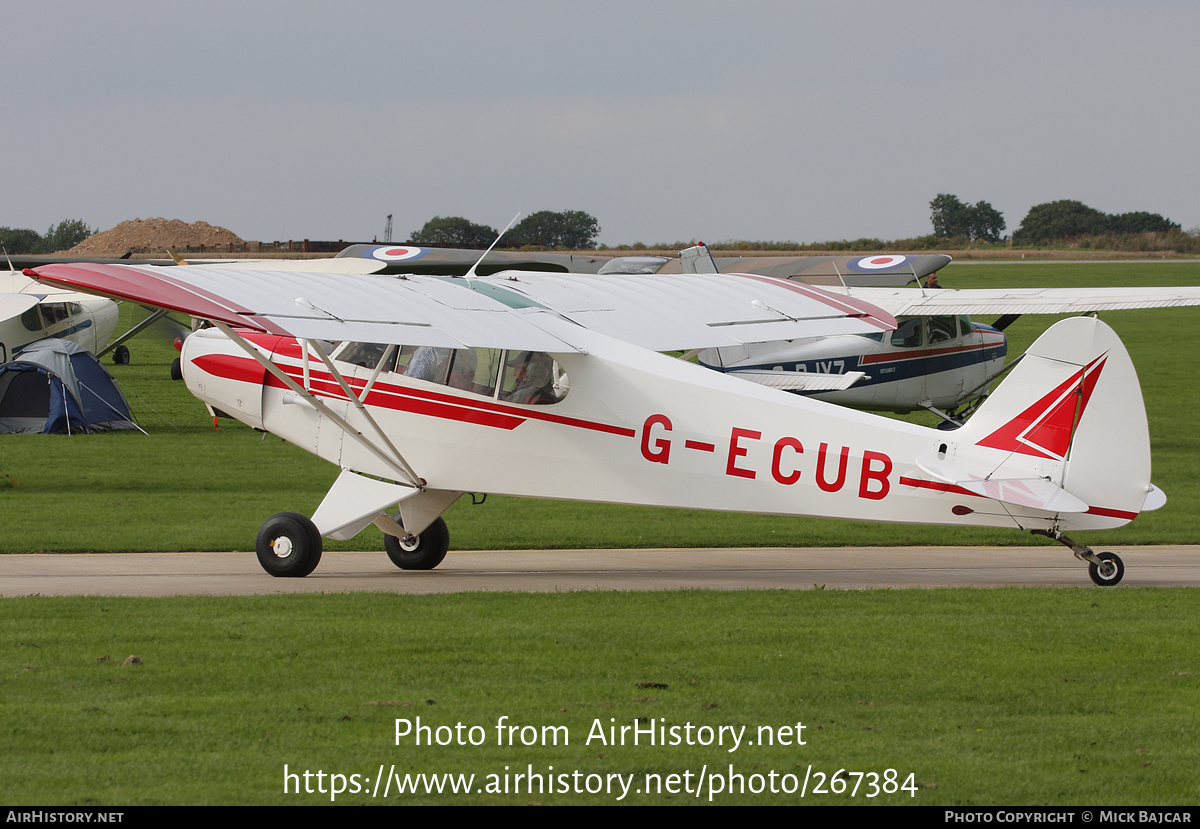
[(754, 119)]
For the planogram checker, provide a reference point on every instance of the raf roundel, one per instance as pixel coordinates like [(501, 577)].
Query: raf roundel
[(397, 253), (878, 263)]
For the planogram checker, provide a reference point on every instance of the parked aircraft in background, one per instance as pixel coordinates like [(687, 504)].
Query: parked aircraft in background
[(553, 386), (936, 359), (30, 312)]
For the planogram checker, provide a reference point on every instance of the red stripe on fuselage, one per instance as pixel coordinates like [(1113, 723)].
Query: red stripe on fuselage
[(395, 397), (900, 356)]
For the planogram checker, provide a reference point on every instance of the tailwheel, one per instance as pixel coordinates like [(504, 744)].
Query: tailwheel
[(1109, 571), (1105, 569), (289, 545), (419, 552)]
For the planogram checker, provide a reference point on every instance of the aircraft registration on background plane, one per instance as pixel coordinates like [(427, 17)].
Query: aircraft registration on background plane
[(554, 386)]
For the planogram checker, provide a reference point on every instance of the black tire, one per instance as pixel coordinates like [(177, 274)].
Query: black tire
[(121, 355), (176, 369), (296, 537), (424, 552), (1106, 575)]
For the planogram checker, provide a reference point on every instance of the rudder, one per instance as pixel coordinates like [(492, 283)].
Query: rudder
[(1072, 412)]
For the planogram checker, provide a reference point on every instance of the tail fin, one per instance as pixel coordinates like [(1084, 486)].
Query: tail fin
[(697, 259), (1069, 418)]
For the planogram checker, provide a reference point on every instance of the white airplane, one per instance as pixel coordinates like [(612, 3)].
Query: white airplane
[(937, 358), (553, 386), (30, 312)]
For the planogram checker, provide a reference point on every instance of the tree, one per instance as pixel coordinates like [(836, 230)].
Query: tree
[(65, 235), (455, 232), (951, 218), (987, 223), (571, 229), (20, 240), (1063, 219), (1141, 222)]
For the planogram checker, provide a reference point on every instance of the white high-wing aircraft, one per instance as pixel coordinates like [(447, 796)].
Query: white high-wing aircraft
[(553, 386), (30, 312)]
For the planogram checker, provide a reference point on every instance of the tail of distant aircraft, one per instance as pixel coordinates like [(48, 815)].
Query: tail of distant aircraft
[(697, 259), (1070, 428)]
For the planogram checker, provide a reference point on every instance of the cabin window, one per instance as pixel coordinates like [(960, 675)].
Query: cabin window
[(32, 319), (529, 377), (964, 325), (907, 333), (942, 329), (366, 355), (476, 370), (53, 312)]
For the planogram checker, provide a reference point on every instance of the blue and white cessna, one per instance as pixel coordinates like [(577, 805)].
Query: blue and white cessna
[(938, 358)]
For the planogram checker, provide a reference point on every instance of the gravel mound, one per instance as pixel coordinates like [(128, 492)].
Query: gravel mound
[(154, 236)]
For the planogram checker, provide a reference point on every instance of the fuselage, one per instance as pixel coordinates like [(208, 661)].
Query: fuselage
[(943, 362), (30, 312), (632, 427)]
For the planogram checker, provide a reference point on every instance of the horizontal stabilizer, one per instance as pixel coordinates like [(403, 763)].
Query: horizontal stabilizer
[(1029, 491), (1155, 498)]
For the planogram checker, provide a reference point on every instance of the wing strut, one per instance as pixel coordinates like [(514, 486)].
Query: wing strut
[(362, 409), (154, 317), (395, 460)]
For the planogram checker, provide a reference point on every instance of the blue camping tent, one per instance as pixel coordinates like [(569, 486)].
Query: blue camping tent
[(59, 386)]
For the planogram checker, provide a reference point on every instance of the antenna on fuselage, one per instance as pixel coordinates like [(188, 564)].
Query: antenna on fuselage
[(471, 272)]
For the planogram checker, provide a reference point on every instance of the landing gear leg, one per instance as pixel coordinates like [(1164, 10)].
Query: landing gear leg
[(1105, 569)]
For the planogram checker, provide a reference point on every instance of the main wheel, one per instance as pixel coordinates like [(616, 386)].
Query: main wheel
[(121, 355), (421, 552), (1109, 572), (289, 545)]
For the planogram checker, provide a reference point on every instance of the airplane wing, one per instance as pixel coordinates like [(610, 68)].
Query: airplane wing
[(501, 311), (457, 261), (13, 305), (875, 269), (913, 302), (799, 380)]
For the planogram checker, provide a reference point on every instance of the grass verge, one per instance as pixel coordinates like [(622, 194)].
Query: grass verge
[(987, 697)]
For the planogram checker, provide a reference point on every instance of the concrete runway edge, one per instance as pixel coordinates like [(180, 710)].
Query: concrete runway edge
[(238, 574)]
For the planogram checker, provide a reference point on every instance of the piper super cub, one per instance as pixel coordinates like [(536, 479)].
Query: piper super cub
[(423, 388)]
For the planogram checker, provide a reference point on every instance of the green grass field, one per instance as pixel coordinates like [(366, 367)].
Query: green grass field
[(986, 697)]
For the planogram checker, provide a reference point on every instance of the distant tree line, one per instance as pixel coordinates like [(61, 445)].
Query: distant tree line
[(63, 236), (1058, 221), (569, 229)]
